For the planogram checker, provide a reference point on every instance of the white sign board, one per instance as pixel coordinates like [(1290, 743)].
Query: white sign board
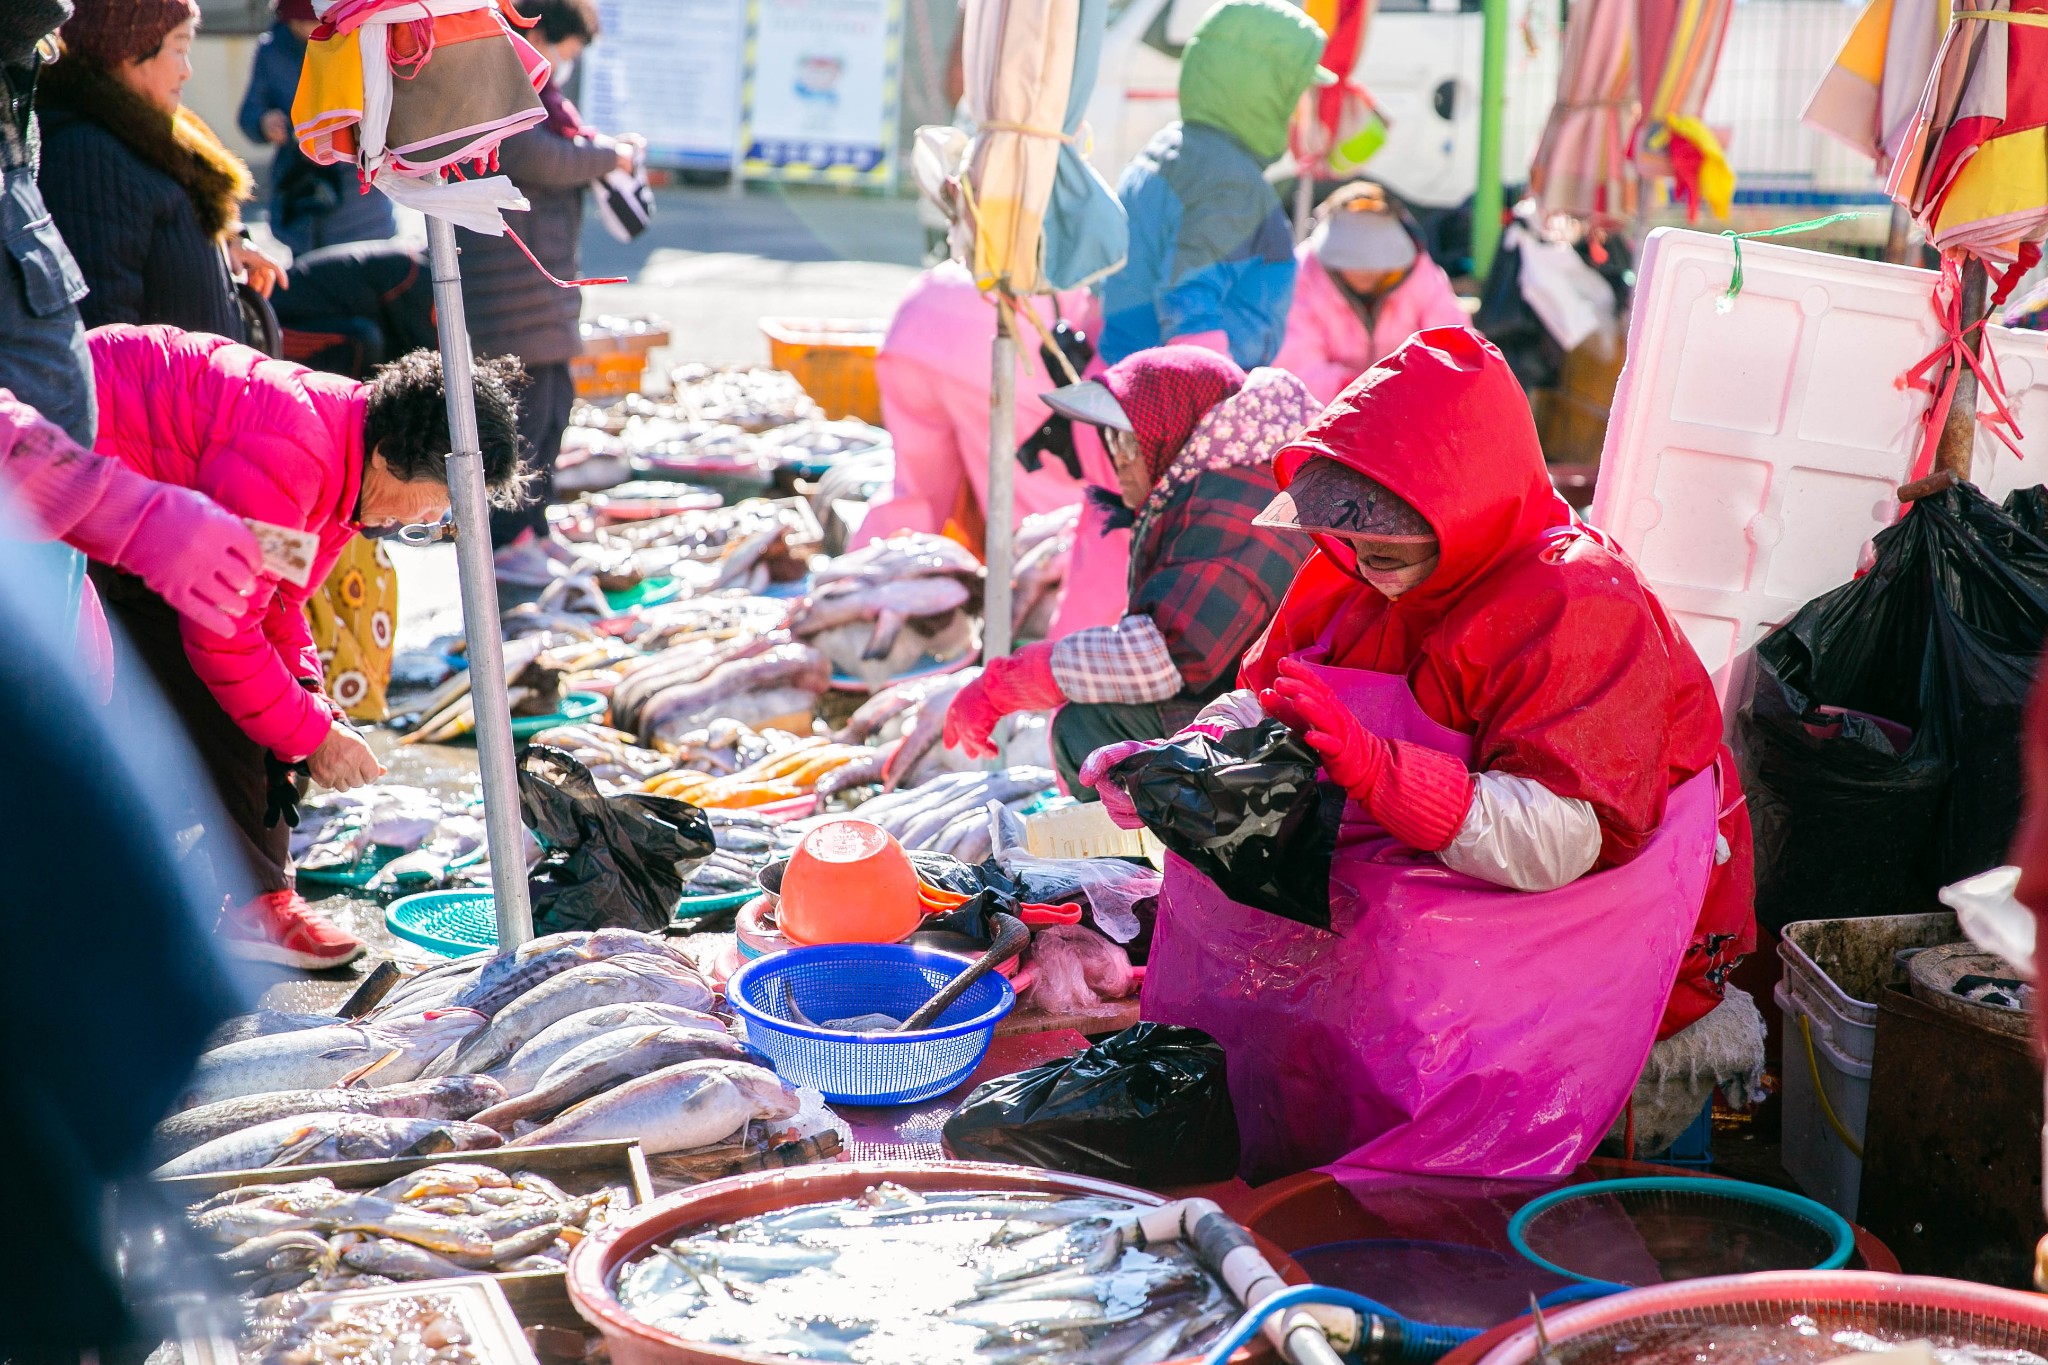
[(822, 91), (670, 71)]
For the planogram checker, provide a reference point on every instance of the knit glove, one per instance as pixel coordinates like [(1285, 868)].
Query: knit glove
[(184, 546), (1019, 682), (1416, 793)]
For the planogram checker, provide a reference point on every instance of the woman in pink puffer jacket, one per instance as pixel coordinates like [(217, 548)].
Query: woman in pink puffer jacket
[(274, 442), (1364, 286)]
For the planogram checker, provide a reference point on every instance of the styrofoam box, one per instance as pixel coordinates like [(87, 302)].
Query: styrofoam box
[(1753, 451)]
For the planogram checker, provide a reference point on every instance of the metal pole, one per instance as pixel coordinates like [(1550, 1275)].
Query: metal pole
[(1898, 236), (1959, 429), (1304, 200), (1493, 80), (1002, 466), (502, 827)]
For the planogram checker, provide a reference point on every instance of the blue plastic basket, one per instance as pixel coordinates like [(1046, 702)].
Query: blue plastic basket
[(451, 923), (1594, 1220), (836, 981)]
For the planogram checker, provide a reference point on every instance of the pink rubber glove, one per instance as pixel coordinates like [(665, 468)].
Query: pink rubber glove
[(1019, 682), (1416, 793), (186, 547), (1115, 800)]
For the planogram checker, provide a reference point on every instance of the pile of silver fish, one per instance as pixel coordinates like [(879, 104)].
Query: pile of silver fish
[(439, 1222), (572, 1037), (426, 832), (411, 1329), (933, 1279), (950, 813)]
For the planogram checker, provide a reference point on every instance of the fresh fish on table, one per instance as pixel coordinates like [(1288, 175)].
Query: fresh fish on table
[(633, 976), (872, 715), (309, 1139), (613, 1057), (526, 1066), (507, 976), (263, 1023), (385, 1052), (926, 730), (899, 557), (444, 1097), (887, 604), (692, 1104), (788, 667)]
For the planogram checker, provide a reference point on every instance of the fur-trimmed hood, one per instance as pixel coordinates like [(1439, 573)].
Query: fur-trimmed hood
[(181, 145)]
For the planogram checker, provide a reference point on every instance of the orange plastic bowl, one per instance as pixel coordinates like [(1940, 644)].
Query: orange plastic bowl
[(849, 881)]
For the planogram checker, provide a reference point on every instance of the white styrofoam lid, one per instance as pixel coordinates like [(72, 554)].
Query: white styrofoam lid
[(1753, 451)]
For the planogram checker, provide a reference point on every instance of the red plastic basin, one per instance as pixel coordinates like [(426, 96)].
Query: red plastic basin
[(594, 1266)]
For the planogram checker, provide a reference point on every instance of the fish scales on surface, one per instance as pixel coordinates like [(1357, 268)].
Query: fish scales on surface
[(312, 1139), (443, 1097), (680, 1107), (526, 1066), (386, 1051), (664, 980)]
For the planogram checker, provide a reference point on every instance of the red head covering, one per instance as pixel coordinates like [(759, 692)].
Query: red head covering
[(1442, 424), (1166, 391), (300, 10)]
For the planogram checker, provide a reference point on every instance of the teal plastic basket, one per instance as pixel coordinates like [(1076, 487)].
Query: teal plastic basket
[(352, 876), (577, 707), (451, 923)]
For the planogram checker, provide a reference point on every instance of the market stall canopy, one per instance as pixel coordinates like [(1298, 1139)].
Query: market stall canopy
[(1339, 127), (1678, 48), (1867, 99), (1582, 166), (1973, 169), (1030, 214)]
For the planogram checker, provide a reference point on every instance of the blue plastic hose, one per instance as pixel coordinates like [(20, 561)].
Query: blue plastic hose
[(1415, 1343)]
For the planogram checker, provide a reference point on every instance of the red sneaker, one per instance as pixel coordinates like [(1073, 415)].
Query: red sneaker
[(278, 926)]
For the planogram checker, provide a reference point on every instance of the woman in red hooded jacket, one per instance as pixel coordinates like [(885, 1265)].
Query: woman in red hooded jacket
[(1545, 862)]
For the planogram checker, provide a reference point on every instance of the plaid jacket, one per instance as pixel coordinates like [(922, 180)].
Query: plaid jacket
[(1208, 578)]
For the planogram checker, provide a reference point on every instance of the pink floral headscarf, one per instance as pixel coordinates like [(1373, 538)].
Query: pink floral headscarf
[(1244, 430)]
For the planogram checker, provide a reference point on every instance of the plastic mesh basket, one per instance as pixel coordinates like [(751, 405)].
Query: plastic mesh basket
[(1663, 1229), (837, 981), (451, 923)]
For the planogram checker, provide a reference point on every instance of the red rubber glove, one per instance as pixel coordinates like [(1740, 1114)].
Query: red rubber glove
[(1115, 800), (1416, 793), (188, 549), (1020, 682)]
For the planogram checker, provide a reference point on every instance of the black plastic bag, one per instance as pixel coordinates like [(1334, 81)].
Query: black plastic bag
[(1880, 738), (613, 861), (1248, 811), (1149, 1107)]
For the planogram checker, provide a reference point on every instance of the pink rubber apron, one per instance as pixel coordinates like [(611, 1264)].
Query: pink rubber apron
[(1444, 1025)]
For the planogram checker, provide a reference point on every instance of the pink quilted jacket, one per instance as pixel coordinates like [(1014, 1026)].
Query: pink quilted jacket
[(268, 440), (1327, 344)]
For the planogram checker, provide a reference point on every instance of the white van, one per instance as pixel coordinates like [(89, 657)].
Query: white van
[(1421, 65)]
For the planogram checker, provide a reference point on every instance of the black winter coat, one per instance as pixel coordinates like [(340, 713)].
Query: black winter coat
[(512, 310)]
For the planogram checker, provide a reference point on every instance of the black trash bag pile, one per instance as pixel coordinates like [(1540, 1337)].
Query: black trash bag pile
[(1248, 810), (1149, 1107), (1880, 738), (612, 861)]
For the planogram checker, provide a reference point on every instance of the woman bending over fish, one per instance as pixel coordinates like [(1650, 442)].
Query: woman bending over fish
[(326, 459), (1193, 439)]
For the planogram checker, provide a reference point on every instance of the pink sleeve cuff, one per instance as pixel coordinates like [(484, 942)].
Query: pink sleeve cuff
[(1421, 795)]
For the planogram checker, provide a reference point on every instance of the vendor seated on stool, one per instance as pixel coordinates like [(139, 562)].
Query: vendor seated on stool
[(1192, 438)]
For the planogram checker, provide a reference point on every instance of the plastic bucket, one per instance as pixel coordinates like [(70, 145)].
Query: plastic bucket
[(1834, 972)]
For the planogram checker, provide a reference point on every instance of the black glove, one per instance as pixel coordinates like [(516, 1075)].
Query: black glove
[(281, 794)]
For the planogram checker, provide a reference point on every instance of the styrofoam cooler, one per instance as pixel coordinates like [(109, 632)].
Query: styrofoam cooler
[(1824, 984)]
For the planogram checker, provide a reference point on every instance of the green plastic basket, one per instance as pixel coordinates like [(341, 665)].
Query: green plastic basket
[(647, 592), (356, 875), (451, 923), (577, 707)]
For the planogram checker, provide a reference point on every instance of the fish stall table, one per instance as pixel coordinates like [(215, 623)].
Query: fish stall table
[(911, 1132)]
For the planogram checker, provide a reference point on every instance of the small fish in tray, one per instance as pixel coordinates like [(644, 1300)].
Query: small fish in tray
[(438, 1222), (408, 1329)]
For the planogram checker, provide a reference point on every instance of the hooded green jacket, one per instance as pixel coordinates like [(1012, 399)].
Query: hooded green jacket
[(1246, 68)]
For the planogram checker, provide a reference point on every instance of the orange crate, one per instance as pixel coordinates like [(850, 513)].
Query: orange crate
[(602, 375), (834, 360)]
